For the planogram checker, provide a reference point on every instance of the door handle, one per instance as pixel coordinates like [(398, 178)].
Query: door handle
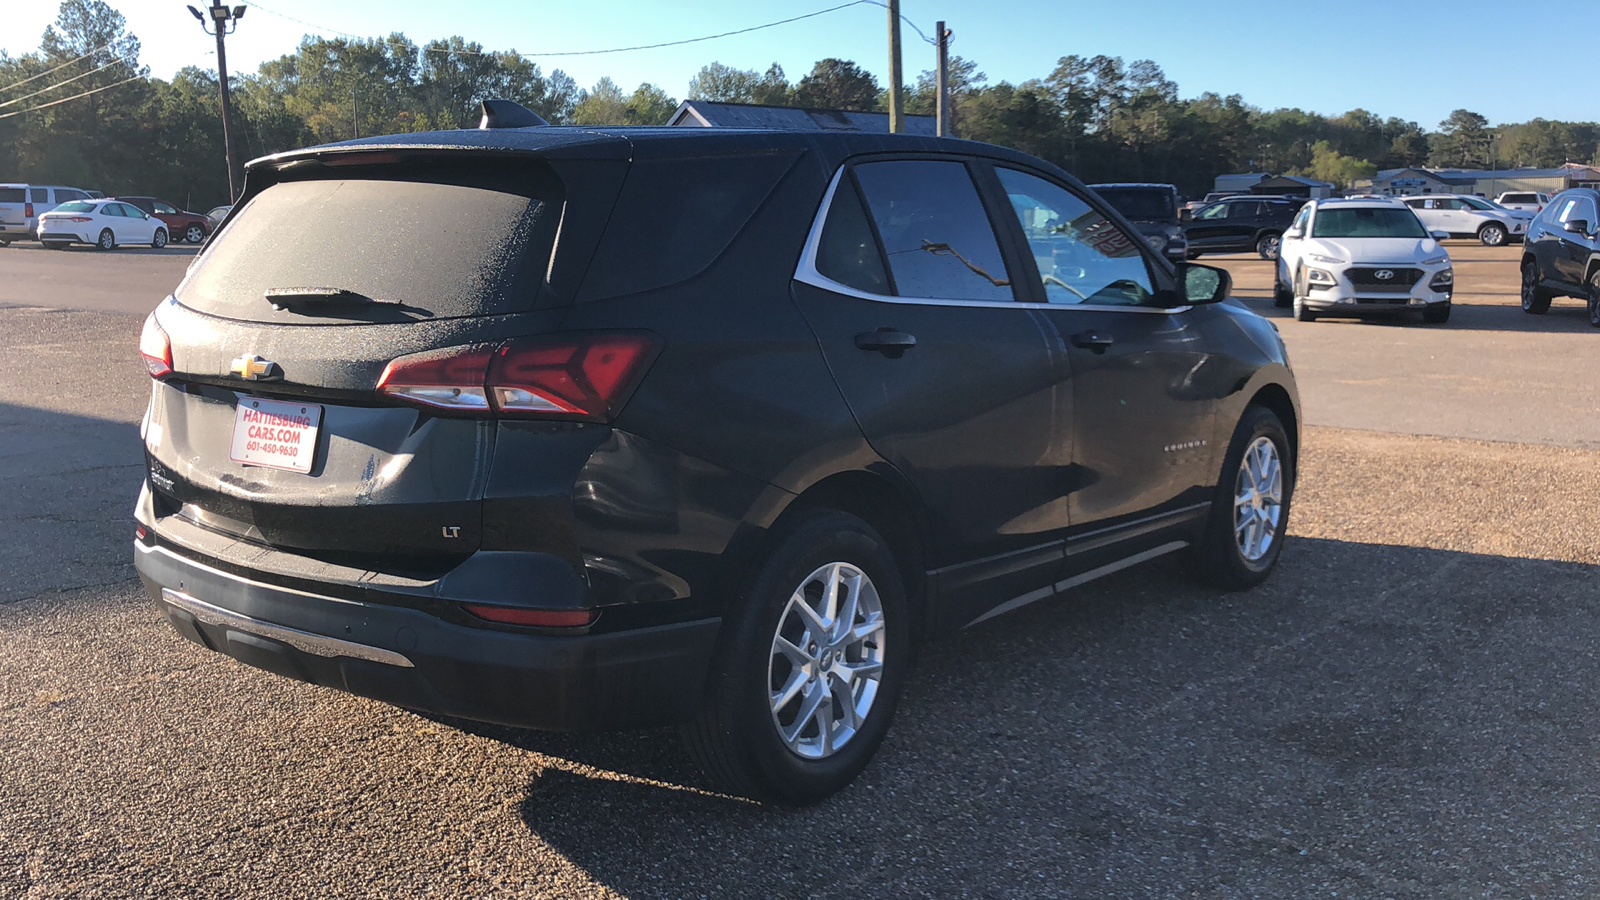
[(887, 340), (1097, 341)]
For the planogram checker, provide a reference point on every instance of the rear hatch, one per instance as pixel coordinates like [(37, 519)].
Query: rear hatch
[(13, 205), (269, 429)]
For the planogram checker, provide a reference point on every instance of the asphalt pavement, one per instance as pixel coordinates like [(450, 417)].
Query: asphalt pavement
[(1407, 709)]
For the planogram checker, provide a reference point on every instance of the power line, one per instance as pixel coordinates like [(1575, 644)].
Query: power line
[(60, 83), (56, 69), (709, 37), (97, 90), (906, 19)]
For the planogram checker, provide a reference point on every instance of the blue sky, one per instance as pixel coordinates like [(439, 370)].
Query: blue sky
[(1357, 53)]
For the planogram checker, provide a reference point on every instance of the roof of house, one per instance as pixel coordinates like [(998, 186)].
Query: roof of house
[(705, 113)]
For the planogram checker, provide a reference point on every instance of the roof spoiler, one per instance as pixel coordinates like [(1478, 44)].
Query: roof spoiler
[(506, 114)]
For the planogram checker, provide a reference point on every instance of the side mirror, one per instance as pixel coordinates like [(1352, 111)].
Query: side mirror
[(1293, 234), (1198, 284), (1578, 226), (1439, 235)]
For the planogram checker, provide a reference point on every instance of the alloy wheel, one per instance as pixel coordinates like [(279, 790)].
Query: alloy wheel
[(1267, 247), (195, 234), (1258, 499), (826, 661), (107, 240), (1594, 300), (1492, 235)]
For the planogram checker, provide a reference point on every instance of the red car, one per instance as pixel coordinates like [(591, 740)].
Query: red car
[(183, 226)]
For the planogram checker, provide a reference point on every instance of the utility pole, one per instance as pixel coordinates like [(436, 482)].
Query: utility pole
[(896, 125), (221, 16), (942, 82), (355, 114)]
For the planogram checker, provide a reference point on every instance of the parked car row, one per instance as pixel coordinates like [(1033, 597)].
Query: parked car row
[(106, 224), (24, 206)]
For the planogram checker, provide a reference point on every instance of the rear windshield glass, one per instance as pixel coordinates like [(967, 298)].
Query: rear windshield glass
[(11, 195), (437, 250), (1369, 222), (1141, 204), (75, 206)]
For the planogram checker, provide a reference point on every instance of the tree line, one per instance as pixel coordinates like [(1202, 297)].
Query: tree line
[(1097, 117)]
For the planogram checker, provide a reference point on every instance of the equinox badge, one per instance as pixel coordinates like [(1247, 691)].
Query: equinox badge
[(254, 368)]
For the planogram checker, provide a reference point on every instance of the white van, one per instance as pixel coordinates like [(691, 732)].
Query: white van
[(22, 204)]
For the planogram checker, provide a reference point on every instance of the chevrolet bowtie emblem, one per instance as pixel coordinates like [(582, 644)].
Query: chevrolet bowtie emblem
[(254, 368)]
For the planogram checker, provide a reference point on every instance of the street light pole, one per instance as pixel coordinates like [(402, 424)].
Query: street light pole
[(221, 17)]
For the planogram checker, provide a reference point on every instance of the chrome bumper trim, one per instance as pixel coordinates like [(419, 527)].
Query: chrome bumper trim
[(315, 644)]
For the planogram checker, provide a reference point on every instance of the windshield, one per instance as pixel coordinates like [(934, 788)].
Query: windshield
[(75, 206), (1141, 204), (1480, 203), (1369, 222)]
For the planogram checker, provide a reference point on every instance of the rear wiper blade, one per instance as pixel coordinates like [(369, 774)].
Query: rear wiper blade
[(282, 298)]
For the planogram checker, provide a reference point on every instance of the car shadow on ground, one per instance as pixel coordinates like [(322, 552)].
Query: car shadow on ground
[(1565, 316), (1351, 722), (171, 249)]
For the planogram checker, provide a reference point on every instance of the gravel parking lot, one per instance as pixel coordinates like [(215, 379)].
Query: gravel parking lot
[(1407, 709)]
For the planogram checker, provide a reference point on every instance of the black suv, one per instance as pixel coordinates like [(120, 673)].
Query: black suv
[(1241, 224), (1561, 253), (574, 429), (1153, 210)]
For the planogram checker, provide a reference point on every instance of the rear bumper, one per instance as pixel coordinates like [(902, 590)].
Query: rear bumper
[(579, 682)]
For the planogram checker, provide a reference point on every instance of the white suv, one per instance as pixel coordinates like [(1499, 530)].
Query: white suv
[(22, 204), (1463, 215), (1356, 258), (1528, 201)]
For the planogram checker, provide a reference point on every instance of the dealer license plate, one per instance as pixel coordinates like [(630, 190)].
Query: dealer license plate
[(275, 434)]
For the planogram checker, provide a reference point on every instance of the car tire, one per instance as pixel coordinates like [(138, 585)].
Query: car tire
[(1436, 313), (1594, 298), (4, 244), (1267, 245), (1282, 296), (1250, 507), (754, 743), (160, 239), (107, 240), (1535, 299), (194, 234), (1492, 234), (1302, 312)]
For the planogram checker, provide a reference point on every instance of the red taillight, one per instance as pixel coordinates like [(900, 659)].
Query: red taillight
[(27, 210), (446, 379), (577, 375), (80, 219), (586, 376), (155, 348), (538, 618)]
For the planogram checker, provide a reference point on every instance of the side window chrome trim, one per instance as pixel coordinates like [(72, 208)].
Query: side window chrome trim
[(806, 273)]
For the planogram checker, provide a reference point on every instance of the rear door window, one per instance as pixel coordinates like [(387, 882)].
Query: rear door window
[(934, 231), (432, 248), (39, 195)]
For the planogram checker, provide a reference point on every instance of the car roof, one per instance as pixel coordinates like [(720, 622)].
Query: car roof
[(1134, 184), (1359, 202), (652, 142)]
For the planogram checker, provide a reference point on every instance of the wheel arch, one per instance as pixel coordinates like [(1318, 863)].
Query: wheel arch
[(1275, 397), (881, 498)]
